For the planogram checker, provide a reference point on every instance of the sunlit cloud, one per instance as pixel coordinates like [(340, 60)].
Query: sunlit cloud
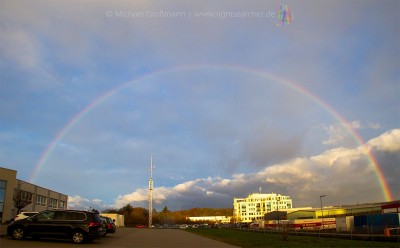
[(216, 132), (331, 171)]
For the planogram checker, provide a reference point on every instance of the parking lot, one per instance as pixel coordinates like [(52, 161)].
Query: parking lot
[(126, 237)]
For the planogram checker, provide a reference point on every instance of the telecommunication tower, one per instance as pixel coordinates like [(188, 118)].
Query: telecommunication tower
[(151, 192)]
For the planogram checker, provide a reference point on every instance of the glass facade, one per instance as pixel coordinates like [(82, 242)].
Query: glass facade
[(3, 185)]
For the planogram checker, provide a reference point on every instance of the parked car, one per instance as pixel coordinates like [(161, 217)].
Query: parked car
[(110, 225), (79, 226), (183, 226), (242, 225), (158, 226), (24, 215)]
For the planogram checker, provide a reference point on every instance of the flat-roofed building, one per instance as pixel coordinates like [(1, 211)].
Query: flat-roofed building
[(216, 219), (345, 210), (119, 219), (256, 205), (40, 198)]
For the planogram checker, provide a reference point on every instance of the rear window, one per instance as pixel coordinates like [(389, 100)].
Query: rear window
[(97, 218), (76, 216)]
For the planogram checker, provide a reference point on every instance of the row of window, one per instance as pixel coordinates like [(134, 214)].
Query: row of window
[(262, 209), (243, 206), (52, 203), (268, 199), (253, 218), (42, 200)]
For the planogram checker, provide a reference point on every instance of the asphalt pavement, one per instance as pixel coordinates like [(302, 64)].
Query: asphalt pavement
[(126, 237)]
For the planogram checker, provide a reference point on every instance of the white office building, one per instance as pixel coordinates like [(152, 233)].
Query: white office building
[(256, 205)]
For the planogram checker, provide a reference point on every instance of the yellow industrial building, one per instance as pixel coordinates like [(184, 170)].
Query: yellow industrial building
[(337, 211)]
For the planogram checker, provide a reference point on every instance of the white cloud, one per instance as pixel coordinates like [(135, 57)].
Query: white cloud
[(77, 201), (340, 134), (333, 172), (337, 133), (80, 202), (373, 125), (388, 141), (202, 114)]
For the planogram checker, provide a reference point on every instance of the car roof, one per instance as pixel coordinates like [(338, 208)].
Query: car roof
[(71, 210)]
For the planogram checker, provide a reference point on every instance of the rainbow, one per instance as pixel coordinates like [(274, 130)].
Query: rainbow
[(296, 87)]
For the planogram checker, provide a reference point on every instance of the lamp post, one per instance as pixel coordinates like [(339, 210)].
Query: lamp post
[(277, 200), (322, 212), (151, 192)]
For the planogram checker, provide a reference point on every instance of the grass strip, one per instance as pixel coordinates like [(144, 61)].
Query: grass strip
[(256, 239)]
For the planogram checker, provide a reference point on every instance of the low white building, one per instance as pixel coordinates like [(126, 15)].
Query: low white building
[(256, 205), (119, 219), (216, 219)]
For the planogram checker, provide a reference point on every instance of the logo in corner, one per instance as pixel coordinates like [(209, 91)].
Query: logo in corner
[(284, 15)]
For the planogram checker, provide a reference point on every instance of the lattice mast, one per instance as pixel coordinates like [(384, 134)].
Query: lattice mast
[(151, 192)]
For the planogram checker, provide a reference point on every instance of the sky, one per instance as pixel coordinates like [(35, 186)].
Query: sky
[(224, 96)]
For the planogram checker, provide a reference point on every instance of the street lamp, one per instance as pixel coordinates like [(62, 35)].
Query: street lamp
[(277, 200), (322, 212)]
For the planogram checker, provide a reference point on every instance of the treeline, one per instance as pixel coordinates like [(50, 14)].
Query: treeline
[(139, 215)]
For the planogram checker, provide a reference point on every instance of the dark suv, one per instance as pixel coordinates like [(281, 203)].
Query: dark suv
[(110, 225), (80, 226)]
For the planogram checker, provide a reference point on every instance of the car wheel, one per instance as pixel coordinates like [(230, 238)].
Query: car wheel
[(78, 237), (18, 233)]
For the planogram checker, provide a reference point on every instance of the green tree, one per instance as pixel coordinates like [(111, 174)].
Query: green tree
[(126, 209), (165, 210), (111, 211)]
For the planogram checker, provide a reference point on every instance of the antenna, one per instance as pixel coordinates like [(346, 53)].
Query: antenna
[(151, 192), (260, 188)]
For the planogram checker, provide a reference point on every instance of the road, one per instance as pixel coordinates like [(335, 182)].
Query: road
[(126, 237)]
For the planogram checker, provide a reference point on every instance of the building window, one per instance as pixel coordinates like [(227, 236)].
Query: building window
[(62, 205), (40, 200), (24, 195), (3, 185), (53, 203)]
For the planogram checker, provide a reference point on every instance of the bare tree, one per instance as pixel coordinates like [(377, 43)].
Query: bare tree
[(286, 228), (21, 199)]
